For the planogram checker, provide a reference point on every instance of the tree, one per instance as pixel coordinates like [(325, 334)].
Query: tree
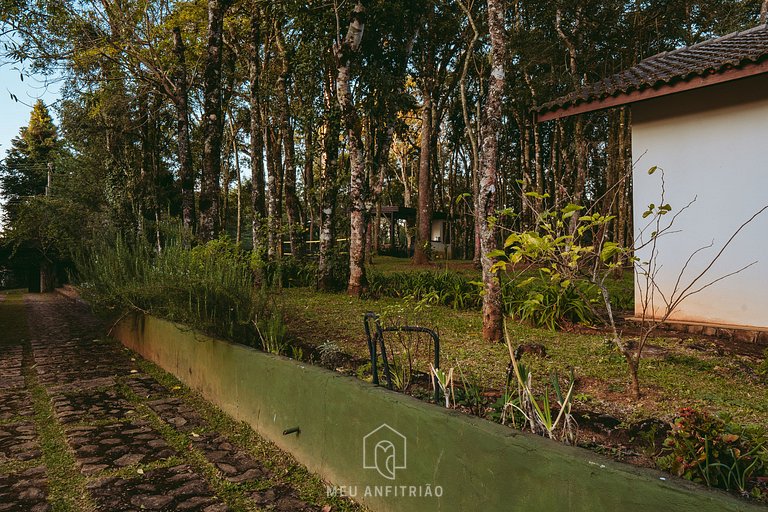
[(257, 141), (329, 188), (180, 97), (24, 173), (493, 318), (213, 122), (344, 51)]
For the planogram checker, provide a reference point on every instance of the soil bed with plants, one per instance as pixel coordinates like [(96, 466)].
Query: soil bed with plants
[(702, 396), (704, 403)]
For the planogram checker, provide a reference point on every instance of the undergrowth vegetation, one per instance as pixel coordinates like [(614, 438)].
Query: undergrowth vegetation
[(210, 287), (538, 298), (222, 290), (716, 452)]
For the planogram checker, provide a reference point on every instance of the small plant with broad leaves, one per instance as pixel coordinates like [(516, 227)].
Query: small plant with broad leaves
[(716, 452)]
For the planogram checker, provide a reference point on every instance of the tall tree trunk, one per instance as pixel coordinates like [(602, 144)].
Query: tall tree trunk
[(236, 155), (329, 163), (344, 51), (579, 140), (180, 99), (477, 259), (486, 202), (308, 176), (625, 229), (289, 161), (424, 223), (274, 211), (210, 186), (257, 140), (380, 163)]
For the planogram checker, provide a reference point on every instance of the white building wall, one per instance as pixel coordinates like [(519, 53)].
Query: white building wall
[(712, 144)]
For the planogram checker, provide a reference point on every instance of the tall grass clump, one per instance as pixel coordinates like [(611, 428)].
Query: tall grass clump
[(209, 287)]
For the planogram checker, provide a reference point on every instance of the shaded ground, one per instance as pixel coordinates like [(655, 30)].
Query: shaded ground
[(87, 425)]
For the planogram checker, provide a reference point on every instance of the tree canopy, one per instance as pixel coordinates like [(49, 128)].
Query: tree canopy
[(302, 120)]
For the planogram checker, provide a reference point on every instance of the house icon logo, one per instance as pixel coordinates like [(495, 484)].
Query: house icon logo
[(384, 449)]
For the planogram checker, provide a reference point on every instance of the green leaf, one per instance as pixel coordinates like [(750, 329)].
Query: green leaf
[(571, 208), (610, 249), (511, 239), (499, 265), (497, 253), (525, 282), (652, 169)]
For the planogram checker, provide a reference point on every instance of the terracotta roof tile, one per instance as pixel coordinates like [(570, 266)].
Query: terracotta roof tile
[(713, 56)]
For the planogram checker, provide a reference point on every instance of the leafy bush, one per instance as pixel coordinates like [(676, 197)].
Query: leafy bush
[(209, 287), (547, 301), (446, 288), (286, 272), (715, 451), (338, 269)]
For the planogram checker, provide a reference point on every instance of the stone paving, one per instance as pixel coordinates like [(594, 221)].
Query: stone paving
[(133, 443)]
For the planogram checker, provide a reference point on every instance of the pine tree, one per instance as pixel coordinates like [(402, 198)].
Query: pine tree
[(24, 172)]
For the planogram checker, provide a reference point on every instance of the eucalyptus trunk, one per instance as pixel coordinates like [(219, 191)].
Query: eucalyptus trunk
[(289, 152), (329, 165), (344, 52), (486, 202), (424, 235), (274, 207), (181, 102), (257, 141), (210, 186)]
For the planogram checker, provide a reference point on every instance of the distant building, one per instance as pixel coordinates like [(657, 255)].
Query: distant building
[(397, 218), (701, 114)]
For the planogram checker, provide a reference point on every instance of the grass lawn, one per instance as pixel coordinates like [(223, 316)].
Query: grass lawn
[(677, 370)]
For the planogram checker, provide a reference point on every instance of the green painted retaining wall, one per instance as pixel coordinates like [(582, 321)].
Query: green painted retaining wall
[(474, 464)]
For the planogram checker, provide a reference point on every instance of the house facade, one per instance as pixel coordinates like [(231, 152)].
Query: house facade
[(700, 115)]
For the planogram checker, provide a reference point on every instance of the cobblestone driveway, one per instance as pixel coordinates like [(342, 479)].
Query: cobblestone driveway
[(87, 425)]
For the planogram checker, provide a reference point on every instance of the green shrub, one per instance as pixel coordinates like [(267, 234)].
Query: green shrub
[(446, 288), (273, 333), (338, 270), (542, 300), (286, 272), (546, 301), (716, 452), (209, 287)]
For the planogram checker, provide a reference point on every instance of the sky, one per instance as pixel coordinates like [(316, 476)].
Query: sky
[(15, 114)]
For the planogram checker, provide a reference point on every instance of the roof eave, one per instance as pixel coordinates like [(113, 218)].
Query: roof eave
[(624, 98)]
